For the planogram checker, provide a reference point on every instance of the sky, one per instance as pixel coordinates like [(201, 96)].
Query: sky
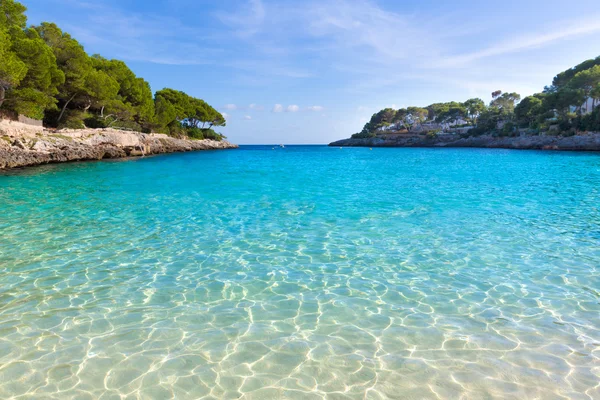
[(314, 71)]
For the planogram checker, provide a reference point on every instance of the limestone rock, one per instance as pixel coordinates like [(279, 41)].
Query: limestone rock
[(22, 146)]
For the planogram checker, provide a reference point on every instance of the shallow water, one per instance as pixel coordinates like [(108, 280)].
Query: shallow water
[(301, 273)]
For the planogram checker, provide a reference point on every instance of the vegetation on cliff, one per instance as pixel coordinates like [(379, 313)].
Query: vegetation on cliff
[(46, 74), (567, 106)]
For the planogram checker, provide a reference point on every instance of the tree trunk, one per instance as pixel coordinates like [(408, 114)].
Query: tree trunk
[(2, 93), (87, 107), (64, 108)]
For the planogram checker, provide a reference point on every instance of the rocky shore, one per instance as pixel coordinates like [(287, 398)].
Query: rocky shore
[(23, 145), (581, 142)]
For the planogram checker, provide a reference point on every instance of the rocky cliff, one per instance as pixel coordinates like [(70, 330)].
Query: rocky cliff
[(581, 142), (23, 145)]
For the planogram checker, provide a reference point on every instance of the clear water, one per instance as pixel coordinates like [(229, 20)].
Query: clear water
[(303, 273)]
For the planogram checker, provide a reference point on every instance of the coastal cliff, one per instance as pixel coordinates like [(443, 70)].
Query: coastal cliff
[(23, 145), (581, 142)]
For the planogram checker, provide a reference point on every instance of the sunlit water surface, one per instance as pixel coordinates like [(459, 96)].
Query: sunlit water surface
[(303, 273)]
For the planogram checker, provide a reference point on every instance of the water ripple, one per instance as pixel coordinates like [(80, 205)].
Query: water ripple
[(303, 273)]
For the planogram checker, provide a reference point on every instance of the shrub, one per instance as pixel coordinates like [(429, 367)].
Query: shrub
[(94, 122), (127, 125), (199, 134), (364, 135), (73, 119)]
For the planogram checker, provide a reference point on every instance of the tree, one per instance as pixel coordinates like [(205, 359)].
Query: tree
[(448, 112), (383, 118), (12, 69), (133, 92), (561, 80), (178, 112), (474, 108), (416, 116), (588, 81), (12, 17), (72, 60), (399, 119), (528, 110), (505, 102), (165, 112), (35, 93), (100, 91)]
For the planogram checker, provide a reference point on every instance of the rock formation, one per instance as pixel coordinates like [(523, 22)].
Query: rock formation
[(581, 142), (22, 145)]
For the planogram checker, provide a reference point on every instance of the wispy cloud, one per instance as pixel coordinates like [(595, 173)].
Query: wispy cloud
[(351, 46), (245, 20), (247, 117), (292, 108), (528, 41)]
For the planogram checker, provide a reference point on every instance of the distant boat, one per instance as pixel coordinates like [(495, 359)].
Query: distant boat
[(282, 146)]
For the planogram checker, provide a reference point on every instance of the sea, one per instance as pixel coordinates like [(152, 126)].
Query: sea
[(303, 272)]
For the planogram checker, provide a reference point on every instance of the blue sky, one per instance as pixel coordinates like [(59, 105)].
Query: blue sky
[(314, 71)]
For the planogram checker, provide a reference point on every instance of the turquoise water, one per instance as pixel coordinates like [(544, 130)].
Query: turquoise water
[(303, 273)]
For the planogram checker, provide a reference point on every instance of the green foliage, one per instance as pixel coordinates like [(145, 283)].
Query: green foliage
[(591, 122), (570, 104), (505, 102), (133, 93), (35, 93), (509, 129), (382, 119), (180, 114), (364, 135), (564, 78), (12, 68), (474, 108), (447, 112), (46, 73), (528, 110), (12, 17), (199, 134)]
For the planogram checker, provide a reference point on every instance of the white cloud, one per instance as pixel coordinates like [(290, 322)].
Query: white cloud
[(362, 30), (247, 21), (315, 108), (225, 115), (256, 107), (292, 108), (528, 41), (247, 117), (277, 108), (230, 107)]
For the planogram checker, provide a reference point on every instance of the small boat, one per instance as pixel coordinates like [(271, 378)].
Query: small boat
[(282, 146)]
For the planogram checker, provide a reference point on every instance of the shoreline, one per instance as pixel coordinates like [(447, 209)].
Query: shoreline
[(582, 142), (26, 146)]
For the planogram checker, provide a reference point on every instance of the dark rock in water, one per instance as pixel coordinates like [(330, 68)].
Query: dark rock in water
[(581, 142)]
